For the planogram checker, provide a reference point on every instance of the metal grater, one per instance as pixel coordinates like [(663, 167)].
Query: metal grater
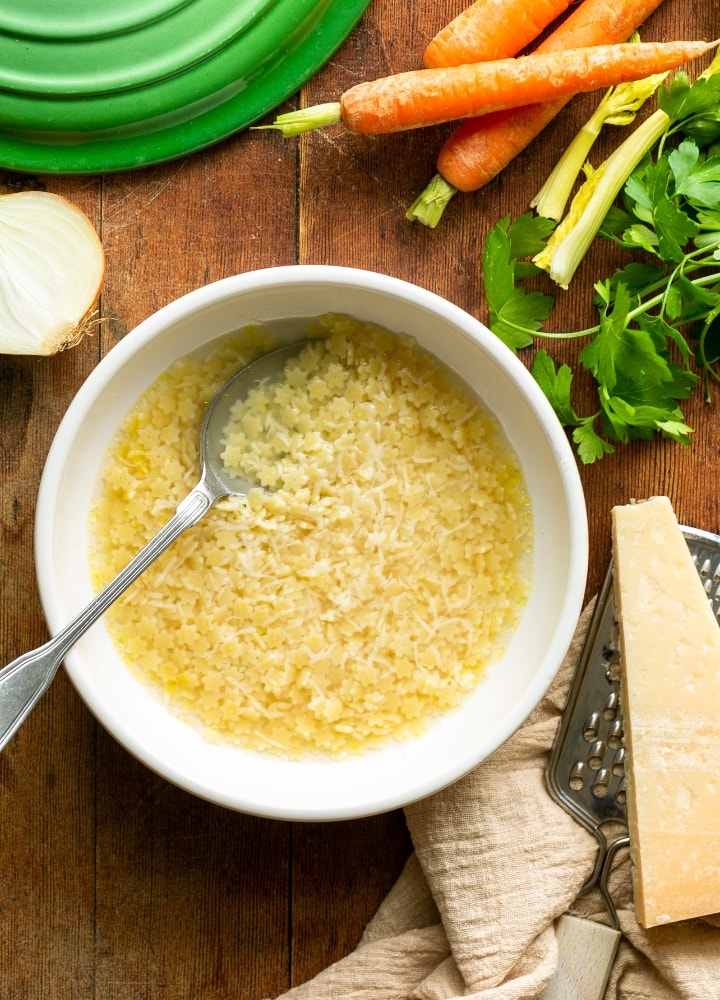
[(586, 773)]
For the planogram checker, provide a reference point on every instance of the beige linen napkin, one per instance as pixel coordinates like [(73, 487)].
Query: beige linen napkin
[(496, 861)]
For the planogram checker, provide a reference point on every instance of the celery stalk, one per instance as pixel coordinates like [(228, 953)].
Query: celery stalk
[(571, 239), (619, 106)]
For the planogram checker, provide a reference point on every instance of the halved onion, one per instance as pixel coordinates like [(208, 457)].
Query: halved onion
[(52, 267)]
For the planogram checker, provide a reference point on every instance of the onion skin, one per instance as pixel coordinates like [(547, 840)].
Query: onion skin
[(52, 269)]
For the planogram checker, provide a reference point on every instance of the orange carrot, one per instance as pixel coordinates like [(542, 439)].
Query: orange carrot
[(476, 152), (491, 29), (432, 96), (480, 148)]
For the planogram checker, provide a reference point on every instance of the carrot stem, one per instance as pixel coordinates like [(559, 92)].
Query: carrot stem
[(429, 206), (306, 119)]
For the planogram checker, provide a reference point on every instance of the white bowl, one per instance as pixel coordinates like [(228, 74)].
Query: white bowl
[(378, 780)]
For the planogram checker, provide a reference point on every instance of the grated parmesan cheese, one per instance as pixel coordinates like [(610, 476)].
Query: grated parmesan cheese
[(367, 590)]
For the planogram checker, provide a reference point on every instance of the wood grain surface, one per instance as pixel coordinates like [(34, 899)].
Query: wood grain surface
[(115, 885)]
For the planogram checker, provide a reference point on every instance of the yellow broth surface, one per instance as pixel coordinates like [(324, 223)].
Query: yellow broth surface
[(363, 588)]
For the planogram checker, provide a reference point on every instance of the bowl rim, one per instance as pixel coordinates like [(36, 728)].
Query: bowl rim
[(229, 287)]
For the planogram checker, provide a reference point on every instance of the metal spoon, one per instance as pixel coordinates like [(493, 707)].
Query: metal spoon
[(24, 681)]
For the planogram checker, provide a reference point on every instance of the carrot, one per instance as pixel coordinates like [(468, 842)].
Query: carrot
[(432, 96), (491, 29), (479, 149), (473, 156)]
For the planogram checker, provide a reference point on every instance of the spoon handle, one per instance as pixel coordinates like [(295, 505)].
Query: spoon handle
[(24, 681)]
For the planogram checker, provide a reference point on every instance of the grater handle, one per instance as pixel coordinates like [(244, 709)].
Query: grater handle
[(587, 953)]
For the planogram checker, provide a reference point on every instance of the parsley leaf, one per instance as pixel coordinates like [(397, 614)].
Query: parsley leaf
[(654, 205), (556, 384), (590, 445), (514, 313), (696, 178)]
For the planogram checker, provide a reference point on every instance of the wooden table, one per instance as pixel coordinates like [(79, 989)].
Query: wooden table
[(113, 883)]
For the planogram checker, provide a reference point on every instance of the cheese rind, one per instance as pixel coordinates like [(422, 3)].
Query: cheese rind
[(670, 655)]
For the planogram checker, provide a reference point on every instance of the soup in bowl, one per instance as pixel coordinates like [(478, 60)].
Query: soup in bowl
[(382, 611)]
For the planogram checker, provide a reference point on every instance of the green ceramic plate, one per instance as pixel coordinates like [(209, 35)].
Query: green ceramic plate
[(118, 84)]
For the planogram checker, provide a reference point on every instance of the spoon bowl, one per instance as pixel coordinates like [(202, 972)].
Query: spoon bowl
[(24, 681), (216, 478)]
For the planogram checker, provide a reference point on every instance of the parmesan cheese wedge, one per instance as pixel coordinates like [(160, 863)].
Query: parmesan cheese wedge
[(670, 654)]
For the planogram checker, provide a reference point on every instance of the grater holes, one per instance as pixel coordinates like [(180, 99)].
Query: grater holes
[(596, 756), (601, 784), (708, 569), (608, 652), (604, 764), (615, 735), (577, 777), (610, 709), (612, 674), (621, 795), (610, 655), (591, 728)]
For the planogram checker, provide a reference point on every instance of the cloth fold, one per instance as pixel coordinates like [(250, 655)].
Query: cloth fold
[(496, 861)]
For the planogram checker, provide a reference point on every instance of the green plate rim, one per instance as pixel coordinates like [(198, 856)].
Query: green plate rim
[(277, 82)]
